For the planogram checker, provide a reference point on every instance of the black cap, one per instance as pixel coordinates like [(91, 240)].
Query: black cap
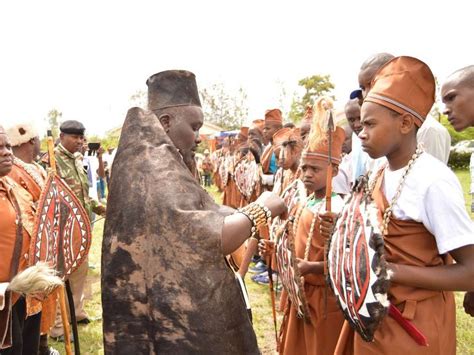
[(72, 127), (356, 94), (172, 88)]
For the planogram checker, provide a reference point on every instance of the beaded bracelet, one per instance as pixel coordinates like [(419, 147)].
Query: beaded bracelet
[(258, 214)]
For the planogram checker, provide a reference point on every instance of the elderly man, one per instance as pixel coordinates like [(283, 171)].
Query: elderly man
[(18, 333), (166, 287)]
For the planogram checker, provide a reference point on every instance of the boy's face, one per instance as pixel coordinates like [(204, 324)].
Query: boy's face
[(270, 129), (305, 127), (352, 111), (365, 78), (380, 133), (314, 173), (459, 104), (288, 155)]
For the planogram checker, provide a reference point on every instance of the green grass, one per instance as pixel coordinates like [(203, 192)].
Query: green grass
[(91, 335)]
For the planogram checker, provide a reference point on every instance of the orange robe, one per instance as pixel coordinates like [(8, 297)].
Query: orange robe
[(31, 192), (14, 247), (432, 312), (320, 336)]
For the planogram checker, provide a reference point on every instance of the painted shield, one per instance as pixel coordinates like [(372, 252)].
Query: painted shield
[(223, 171), (247, 175), (288, 271), (62, 233), (282, 232), (357, 269)]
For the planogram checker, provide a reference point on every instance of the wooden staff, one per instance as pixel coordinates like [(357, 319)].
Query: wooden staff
[(62, 292), (67, 336)]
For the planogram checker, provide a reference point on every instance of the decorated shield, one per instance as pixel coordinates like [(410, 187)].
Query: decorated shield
[(223, 170), (288, 271), (357, 269), (247, 175), (282, 232), (62, 233)]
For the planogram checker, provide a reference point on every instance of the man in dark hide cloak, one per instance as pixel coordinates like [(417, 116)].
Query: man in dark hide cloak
[(165, 285)]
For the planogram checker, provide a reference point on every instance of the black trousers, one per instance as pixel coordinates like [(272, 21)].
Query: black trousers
[(25, 332)]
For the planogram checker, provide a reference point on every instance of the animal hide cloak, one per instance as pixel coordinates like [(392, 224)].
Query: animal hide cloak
[(165, 285)]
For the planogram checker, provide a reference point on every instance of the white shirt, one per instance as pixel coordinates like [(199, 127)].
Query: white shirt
[(92, 164), (435, 139), (433, 196), (337, 203), (341, 183)]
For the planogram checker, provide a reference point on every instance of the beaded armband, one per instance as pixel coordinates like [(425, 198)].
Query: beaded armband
[(258, 214)]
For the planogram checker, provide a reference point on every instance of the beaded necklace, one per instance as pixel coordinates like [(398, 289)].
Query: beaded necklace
[(30, 170), (387, 214), (313, 223)]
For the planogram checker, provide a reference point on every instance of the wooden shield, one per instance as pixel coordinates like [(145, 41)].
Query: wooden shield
[(247, 175), (288, 271), (282, 232), (62, 234), (357, 270)]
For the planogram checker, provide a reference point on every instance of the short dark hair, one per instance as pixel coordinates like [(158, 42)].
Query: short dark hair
[(464, 76)]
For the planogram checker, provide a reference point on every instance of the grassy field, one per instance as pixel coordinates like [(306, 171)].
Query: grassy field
[(91, 335)]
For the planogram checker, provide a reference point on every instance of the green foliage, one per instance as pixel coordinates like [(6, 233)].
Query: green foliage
[(459, 160), (222, 108), (53, 122), (314, 86)]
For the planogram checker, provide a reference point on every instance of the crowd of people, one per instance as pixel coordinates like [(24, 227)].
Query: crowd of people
[(174, 260)]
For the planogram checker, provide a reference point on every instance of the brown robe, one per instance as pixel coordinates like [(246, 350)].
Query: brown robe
[(166, 288), (432, 312), (321, 335)]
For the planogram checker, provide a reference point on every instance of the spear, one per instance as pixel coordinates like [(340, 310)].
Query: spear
[(328, 200)]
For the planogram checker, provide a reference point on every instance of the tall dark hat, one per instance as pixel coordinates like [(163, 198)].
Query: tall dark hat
[(172, 88)]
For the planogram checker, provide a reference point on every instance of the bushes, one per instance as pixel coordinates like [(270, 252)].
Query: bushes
[(459, 160)]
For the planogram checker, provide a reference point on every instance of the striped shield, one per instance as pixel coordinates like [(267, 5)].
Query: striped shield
[(62, 233), (282, 232), (357, 269)]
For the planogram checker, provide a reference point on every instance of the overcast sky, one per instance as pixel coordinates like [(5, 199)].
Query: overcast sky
[(86, 58)]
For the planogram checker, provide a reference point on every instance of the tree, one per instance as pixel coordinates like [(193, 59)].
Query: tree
[(53, 121), (223, 109), (139, 99), (314, 86)]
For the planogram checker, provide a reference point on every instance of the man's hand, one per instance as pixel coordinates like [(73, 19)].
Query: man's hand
[(327, 222), (100, 210), (100, 152), (266, 247), (304, 267), (469, 303)]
